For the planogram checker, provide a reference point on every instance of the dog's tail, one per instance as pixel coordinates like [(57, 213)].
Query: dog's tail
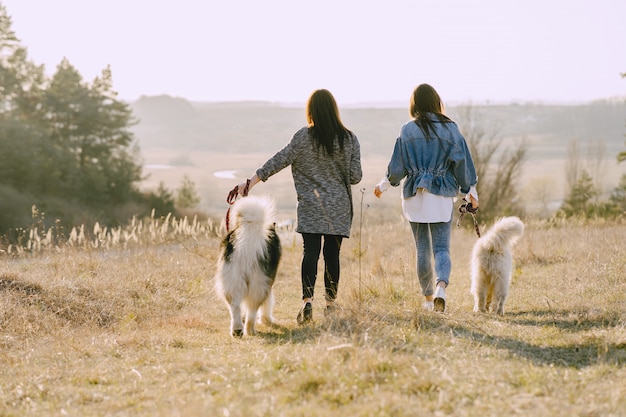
[(506, 231), (252, 210)]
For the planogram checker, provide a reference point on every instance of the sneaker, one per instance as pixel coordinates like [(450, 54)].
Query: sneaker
[(428, 305), (306, 314), (440, 299)]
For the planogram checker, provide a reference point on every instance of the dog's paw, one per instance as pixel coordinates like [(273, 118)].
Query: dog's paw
[(236, 333), (479, 309)]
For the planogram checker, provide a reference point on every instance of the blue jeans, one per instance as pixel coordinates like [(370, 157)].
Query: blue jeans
[(432, 240)]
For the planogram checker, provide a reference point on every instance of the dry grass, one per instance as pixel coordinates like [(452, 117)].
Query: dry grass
[(136, 330)]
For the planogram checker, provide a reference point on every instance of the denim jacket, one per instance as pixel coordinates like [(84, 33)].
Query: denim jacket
[(441, 163)]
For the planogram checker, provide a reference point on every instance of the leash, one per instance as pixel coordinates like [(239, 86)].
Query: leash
[(232, 197), (468, 208)]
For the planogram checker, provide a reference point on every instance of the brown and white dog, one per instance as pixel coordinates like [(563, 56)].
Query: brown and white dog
[(492, 264), (247, 264)]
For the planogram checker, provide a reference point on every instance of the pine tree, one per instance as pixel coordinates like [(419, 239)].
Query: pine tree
[(63, 141), (580, 198), (187, 197)]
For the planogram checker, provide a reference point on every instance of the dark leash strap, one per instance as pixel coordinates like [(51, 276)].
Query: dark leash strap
[(468, 208), (232, 197)]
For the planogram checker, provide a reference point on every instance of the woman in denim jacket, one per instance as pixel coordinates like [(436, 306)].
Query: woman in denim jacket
[(432, 157)]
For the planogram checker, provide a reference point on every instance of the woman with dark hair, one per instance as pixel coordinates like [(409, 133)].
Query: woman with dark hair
[(432, 157), (325, 159)]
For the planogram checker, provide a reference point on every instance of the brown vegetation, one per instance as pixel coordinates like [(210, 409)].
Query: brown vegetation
[(135, 329)]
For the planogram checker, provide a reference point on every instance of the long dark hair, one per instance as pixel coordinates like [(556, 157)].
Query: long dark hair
[(325, 124), (425, 99)]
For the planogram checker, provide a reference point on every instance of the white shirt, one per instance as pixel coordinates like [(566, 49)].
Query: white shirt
[(425, 207)]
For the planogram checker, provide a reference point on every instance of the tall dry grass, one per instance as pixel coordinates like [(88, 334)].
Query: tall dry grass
[(135, 329)]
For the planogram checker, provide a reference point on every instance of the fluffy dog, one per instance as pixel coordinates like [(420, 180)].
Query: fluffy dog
[(247, 264), (492, 264)]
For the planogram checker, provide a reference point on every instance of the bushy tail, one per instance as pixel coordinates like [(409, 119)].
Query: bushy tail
[(506, 231), (252, 210)]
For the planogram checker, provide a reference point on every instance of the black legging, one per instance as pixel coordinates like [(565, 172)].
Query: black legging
[(312, 247)]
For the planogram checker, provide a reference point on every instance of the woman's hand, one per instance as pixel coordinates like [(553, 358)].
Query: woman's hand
[(243, 188), (381, 187), (473, 201)]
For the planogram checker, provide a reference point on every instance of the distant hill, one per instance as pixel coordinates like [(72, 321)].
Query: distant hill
[(167, 122), (241, 127)]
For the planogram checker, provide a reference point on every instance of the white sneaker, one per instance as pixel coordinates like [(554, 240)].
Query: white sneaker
[(428, 305), (440, 299)]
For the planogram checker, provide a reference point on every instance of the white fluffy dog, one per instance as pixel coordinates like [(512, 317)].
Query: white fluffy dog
[(247, 264), (492, 264)]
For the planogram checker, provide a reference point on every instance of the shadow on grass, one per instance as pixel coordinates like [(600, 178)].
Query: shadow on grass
[(570, 320), (591, 351), (294, 334), (344, 324), (575, 355)]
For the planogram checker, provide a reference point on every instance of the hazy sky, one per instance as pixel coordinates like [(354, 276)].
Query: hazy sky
[(361, 50)]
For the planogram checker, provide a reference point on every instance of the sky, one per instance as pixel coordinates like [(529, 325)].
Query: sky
[(363, 51)]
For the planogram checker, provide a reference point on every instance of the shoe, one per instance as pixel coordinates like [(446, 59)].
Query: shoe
[(306, 314), (440, 299), (428, 305)]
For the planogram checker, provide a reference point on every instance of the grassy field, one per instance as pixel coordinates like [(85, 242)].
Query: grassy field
[(128, 324)]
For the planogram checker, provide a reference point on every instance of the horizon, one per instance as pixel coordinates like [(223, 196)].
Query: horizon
[(391, 104)]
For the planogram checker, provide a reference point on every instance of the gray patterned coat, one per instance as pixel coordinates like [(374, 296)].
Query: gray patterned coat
[(323, 183)]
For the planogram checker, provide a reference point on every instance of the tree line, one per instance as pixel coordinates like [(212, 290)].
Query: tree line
[(66, 148), (583, 199), (499, 170)]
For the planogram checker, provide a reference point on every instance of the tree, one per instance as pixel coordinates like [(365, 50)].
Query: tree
[(498, 169), (161, 201), (63, 142), (20, 86), (92, 127), (594, 163), (618, 197), (187, 197), (573, 164), (580, 198), (21, 141), (20, 78)]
